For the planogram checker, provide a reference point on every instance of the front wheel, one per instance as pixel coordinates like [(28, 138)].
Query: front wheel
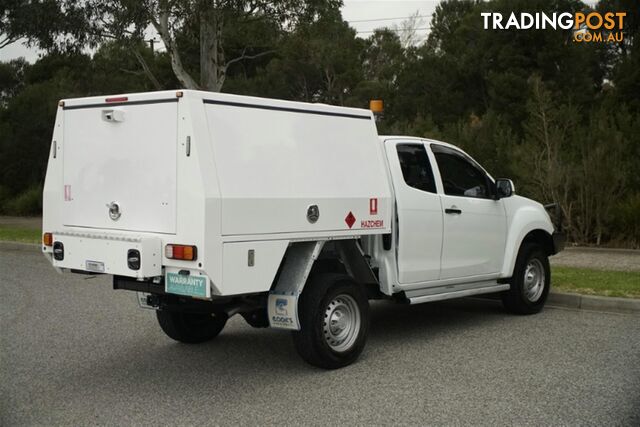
[(191, 328), (334, 321), (530, 283)]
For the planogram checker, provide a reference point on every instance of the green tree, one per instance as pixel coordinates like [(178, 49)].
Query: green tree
[(92, 22), (317, 62), (27, 118), (11, 79)]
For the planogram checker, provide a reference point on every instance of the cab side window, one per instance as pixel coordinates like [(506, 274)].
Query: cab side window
[(460, 176), (416, 167)]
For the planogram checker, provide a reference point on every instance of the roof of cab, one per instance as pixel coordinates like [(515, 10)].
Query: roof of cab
[(417, 139)]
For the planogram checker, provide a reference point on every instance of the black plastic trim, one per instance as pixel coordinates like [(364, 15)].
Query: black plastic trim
[(288, 109), (386, 241), (58, 251), (131, 255), (117, 104), (131, 284), (559, 240)]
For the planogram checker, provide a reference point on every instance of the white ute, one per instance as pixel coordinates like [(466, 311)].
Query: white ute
[(290, 214)]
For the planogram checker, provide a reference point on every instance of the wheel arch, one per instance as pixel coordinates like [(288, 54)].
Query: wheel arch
[(302, 259), (541, 238), (537, 235), (345, 256)]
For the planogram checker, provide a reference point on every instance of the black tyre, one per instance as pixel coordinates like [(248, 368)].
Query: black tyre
[(334, 320), (530, 283), (191, 328)]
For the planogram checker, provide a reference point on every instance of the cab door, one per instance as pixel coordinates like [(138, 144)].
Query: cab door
[(419, 237), (474, 222)]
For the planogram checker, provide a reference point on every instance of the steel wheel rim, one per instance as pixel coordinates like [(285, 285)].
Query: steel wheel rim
[(534, 280), (341, 323)]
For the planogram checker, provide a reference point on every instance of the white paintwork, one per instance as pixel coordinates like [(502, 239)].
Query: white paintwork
[(419, 224), (236, 270), (111, 251), (496, 234), (131, 162), (523, 216), (253, 169), (473, 241), (275, 164), (248, 181)]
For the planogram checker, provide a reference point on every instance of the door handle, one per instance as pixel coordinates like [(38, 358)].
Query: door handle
[(453, 210)]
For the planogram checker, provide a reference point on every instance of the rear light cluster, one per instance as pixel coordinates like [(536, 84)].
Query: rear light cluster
[(183, 252), (58, 247)]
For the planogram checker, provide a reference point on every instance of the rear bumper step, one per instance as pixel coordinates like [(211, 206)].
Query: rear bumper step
[(130, 284)]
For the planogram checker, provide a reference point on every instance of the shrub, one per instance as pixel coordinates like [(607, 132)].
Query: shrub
[(27, 203), (625, 222)]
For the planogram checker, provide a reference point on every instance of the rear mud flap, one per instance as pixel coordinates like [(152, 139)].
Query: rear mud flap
[(283, 311)]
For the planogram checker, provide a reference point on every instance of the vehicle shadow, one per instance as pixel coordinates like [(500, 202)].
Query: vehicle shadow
[(267, 356), (400, 322)]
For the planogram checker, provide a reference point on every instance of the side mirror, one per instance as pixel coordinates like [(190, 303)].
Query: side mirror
[(504, 188)]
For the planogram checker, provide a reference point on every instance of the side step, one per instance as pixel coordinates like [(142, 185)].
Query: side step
[(440, 293)]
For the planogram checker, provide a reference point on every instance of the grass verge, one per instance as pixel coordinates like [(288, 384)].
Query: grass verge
[(19, 234), (564, 279), (596, 282)]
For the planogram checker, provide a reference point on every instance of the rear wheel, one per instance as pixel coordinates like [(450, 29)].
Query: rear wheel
[(530, 283), (334, 320), (191, 328)]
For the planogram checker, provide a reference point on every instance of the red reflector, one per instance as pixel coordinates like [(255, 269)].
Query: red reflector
[(47, 239), (178, 252), (183, 252), (117, 99)]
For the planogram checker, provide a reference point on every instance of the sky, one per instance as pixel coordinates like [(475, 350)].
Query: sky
[(363, 15)]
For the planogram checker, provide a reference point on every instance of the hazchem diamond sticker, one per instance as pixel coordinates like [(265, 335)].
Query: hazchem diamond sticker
[(350, 219)]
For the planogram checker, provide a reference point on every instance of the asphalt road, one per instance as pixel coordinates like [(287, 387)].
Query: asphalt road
[(75, 352)]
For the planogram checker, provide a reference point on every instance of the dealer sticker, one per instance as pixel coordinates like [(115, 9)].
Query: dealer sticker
[(181, 284)]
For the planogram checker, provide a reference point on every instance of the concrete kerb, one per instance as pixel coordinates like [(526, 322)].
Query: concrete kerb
[(594, 303), (555, 299)]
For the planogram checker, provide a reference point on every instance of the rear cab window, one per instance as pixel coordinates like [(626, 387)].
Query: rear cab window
[(416, 167)]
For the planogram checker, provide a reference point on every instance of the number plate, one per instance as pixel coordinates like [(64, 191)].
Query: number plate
[(180, 284), (95, 266)]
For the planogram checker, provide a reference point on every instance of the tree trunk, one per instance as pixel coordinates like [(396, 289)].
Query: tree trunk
[(162, 27), (212, 66), (210, 50), (146, 69)]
